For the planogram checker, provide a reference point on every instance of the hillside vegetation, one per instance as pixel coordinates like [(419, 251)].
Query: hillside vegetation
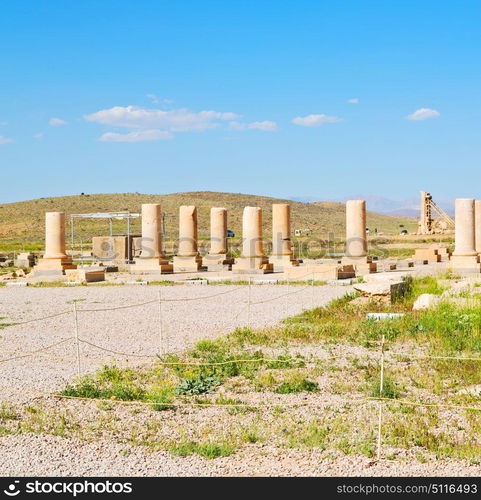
[(22, 223)]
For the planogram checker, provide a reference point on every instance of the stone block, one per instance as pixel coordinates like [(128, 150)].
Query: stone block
[(85, 275), (25, 259), (196, 282), (320, 272), (382, 316), (383, 291), (252, 265), (107, 248), (425, 301), (187, 264), (362, 265), (217, 262)]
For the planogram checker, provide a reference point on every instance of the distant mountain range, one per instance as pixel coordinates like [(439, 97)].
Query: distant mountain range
[(408, 207)]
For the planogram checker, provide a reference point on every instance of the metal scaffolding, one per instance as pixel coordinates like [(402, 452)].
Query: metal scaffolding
[(111, 216)]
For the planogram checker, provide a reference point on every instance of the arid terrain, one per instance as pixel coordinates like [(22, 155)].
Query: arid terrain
[(21, 223), (288, 387)]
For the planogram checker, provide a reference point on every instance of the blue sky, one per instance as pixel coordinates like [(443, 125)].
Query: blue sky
[(319, 99)]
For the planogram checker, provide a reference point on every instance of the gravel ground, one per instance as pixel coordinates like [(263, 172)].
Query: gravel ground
[(51, 455), (134, 330)]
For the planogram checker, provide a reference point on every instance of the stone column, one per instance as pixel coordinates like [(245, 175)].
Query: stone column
[(55, 259), (465, 243), (217, 259), (151, 231), (281, 237), (477, 222), (356, 239), (54, 235), (465, 257), (252, 245), (187, 258), (253, 258), (151, 258), (218, 231)]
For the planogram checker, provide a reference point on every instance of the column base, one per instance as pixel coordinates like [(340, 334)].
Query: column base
[(190, 264), (362, 265), (53, 267), (429, 254), (465, 264), (282, 262), (257, 265), (157, 266), (217, 262)]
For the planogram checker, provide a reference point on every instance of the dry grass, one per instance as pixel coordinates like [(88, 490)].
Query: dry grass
[(22, 223)]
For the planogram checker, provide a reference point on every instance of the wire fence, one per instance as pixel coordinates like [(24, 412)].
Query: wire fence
[(383, 356)]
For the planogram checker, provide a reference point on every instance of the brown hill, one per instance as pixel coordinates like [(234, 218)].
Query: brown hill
[(22, 223)]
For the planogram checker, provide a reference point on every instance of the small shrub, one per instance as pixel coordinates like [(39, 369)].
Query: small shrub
[(209, 450), (201, 384), (293, 387), (389, 388)]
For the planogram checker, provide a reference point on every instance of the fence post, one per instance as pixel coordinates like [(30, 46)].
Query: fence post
[(287, 294), (77, 341), (249, 303), (161, 333), (312, 291), (381, 384)]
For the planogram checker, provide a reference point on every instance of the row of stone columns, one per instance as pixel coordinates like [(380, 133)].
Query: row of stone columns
[(253, 258), (188, 258)]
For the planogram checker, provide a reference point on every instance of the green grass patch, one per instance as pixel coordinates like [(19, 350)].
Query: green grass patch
[(208, 449)]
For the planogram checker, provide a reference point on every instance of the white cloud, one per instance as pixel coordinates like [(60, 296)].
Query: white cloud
[(3, 124), (265, 126), (137, 136), (153, 98), (354, 100), (55, 122), (176, 120), (5, 140), (156, 100), (423, 114), (315, 120), (38, 136)]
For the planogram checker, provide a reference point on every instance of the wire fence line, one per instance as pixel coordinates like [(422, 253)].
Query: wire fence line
[(264, 404), (76, 311), (186, 299), (383, 356)]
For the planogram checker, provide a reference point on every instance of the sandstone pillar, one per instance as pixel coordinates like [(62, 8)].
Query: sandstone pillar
[(151, 258), (356, 239), (465, 257), (188, 258), (477, 222), (55, 259), (252, 259), (217, 259), (281, 256)]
